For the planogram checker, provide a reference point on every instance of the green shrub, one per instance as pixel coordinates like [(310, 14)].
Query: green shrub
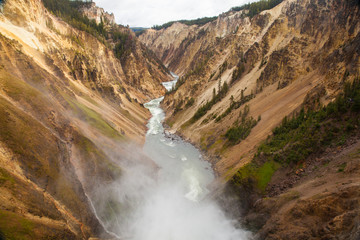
[(235, 105), (216, 98), (123, 46), (240, 131), (239, 70)]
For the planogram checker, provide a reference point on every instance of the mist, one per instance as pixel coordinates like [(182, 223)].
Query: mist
[(169, 201)]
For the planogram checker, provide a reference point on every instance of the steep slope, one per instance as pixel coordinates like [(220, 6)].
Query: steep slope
[(287, 178), (270, 62), (303, 183), (68, 108)]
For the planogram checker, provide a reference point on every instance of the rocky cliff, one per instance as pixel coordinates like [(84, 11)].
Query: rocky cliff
[(270, 62), (71, 115), (65, 100), (98, 14), (251, 95)]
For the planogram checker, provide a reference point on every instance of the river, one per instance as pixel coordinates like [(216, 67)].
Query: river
[(178, 209), (170, 202)]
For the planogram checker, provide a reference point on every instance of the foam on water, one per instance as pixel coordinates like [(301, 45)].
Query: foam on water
[(171, 85)]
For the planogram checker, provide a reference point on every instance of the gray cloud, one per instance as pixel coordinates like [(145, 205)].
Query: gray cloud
[(146, 13)]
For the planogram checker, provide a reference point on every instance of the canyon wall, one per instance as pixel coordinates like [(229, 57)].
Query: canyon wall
[(289, 61), (68, 107), (278, 57)]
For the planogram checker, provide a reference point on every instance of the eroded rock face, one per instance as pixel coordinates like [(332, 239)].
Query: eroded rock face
[(282, 54), (320, 200), (65, 100), (299, 53), (333, 215), (98, 14)]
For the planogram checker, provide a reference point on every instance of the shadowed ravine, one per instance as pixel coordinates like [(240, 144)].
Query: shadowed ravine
[(173, 204)]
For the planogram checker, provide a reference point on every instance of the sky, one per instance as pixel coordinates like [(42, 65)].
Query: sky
[(147, 13)]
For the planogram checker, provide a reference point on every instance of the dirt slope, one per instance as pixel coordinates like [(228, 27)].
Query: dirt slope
[(322, 203)]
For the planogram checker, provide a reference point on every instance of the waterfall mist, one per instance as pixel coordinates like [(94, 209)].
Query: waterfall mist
[(166, 202)]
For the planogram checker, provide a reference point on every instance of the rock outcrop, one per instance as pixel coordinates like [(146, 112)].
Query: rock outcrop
[(98, 14)]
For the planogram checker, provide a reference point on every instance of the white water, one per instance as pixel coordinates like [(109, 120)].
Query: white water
[(170, 85), (172, 203), (177, 208)]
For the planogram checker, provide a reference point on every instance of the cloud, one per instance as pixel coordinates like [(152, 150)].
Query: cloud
[(146, 13)]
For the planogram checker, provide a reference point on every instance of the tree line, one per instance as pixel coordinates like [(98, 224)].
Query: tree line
[(69, 12), (198, 21), (257, 7)]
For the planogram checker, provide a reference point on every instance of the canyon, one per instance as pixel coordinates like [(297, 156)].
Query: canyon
[(66, 101), (285, 54), (77, 153), (291, 58)]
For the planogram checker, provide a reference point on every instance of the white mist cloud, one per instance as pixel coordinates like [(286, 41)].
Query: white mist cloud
[(170, 201), (146, 13)]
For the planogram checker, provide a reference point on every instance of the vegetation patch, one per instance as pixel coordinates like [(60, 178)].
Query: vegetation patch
[(5, 177), (21, 91), (198, 21), (253, 173), (342, 167), (93, 118), (257, 7), (26, 138), (190, 102), (237, 73), (123, 45), (264, 174), (312, 131), (307, 133), (235, 105), (70, 12), (215, 99), (178, 106), (240, 130), (14, 226), (97, 158)]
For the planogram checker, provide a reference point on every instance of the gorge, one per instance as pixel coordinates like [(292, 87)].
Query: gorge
[(257, 138), (177, 205)]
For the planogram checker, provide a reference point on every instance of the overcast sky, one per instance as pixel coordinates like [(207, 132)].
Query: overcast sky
[(146, 13)]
